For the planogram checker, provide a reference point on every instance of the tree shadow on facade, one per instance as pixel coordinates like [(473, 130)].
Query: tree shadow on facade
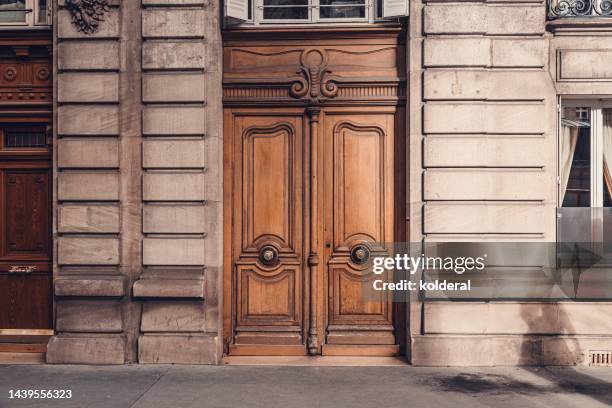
[(560, 351)]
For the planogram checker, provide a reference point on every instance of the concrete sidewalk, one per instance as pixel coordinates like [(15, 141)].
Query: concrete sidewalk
[(299, 386)]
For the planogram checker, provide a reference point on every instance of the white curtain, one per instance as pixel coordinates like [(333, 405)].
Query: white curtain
[(567, 147)]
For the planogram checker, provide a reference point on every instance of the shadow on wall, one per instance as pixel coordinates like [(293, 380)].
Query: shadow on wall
[(566, 380), (567, 351)]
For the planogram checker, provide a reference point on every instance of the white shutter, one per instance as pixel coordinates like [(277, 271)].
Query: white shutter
[(395, 8), (238, 9)]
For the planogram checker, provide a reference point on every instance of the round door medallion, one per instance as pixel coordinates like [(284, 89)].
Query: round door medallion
[(360, 254), (268, 255)]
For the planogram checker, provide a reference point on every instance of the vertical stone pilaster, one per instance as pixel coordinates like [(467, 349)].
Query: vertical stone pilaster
[(131, 168), (88, 280), (181, 183)]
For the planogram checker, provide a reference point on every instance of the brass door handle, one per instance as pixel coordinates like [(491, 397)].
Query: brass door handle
[(21, 269)]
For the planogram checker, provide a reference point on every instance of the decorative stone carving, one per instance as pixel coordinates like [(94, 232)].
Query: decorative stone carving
[(87, 14), (314, 83)]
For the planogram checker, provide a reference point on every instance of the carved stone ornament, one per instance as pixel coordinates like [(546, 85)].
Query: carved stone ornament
[(87, 14), (314, 83)]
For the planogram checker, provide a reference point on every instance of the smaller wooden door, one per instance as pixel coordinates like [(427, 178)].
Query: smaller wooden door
[(25, 227)]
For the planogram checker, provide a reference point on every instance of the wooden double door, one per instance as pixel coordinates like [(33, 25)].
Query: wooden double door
[(25, 229), (310, 199)]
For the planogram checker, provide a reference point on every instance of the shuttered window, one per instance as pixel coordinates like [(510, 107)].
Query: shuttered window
[(313, 11)]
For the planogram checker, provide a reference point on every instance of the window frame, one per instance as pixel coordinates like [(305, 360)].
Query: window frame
[(314, 11), (596, 146), (32, 14)]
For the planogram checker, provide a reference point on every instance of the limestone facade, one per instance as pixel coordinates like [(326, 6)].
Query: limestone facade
[(138, 199)]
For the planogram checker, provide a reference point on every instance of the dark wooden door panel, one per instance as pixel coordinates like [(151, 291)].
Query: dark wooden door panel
[(25, 301), (25, 228), (26, 214)]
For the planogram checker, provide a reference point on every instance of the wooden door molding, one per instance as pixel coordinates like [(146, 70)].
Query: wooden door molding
[(359, 197), (310, 126), (267, 230)]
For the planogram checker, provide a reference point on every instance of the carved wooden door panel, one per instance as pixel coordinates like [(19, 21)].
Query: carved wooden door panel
[(359, 223), (25, 228), (267, 233)]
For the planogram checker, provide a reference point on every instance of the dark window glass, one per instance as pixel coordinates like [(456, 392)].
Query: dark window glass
[(23, 138), (12, 11), (342, 9), (285, 10)]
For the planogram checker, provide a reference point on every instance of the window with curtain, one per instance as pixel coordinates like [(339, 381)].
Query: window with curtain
[(585, 162), (585, 178)]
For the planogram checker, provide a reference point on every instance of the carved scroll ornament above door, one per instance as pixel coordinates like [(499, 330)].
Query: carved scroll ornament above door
[(314, 84), (313, 67)]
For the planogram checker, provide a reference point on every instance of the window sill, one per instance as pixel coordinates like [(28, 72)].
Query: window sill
[(301, 31), (580, 25)]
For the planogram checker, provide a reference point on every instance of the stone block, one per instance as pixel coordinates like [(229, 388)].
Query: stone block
[(173, 154), (88, 120), (488, 218), (90, 153), (178, 349), (88, 55), (501, 85), (174, 87), (108, 29), (174, 187), (522, 52), (213, 244), (442, 19), (87, 251), (480, 184), (515, 20), (173, 121), (484, 19), (572, 350), (88, 219), (431, 350), (468, 52), (172, 317), (173, 251), (173, 55), (87, 316), (584, 64), (86, 349), (169, 288), (173, 23), (89, 286), (87, 186), (496, 118), (485, 151), (173, 219), (484, 52), (87, 87), (518, 318)]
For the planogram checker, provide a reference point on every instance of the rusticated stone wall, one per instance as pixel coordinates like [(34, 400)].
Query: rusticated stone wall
[(485, 76), (138, 185)]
